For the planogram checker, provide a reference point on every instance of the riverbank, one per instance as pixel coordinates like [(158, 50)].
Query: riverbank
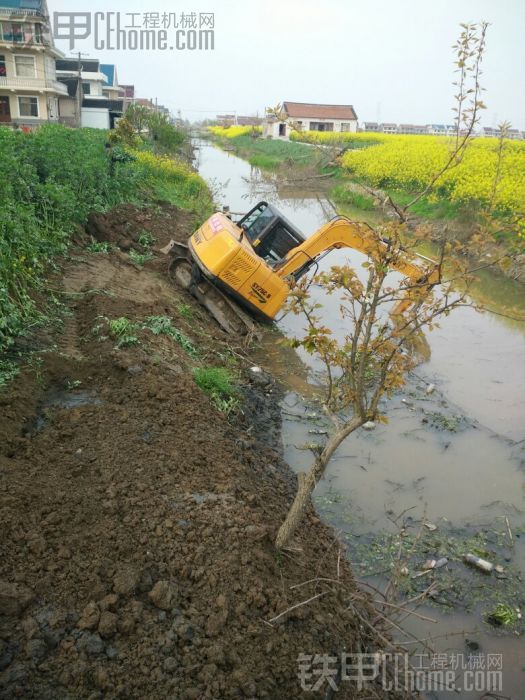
[(139, 518)]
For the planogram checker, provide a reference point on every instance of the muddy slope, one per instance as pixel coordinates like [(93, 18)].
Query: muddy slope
[(137, 521)]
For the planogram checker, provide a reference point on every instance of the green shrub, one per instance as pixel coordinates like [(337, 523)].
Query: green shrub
[(52, 178)]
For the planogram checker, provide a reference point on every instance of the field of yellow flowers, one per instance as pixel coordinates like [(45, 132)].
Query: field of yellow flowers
[(410, 162), (231, 132)]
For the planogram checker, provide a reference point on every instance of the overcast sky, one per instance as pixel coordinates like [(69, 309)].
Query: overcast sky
[(391, 60)]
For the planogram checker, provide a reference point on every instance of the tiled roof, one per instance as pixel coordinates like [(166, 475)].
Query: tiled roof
[(315, 111)]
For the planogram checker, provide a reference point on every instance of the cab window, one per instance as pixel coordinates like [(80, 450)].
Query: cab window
[(276, 244), (255, 224)]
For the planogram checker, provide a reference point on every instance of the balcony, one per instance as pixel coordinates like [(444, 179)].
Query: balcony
[(35, 84), (11, 12), (36, 43)]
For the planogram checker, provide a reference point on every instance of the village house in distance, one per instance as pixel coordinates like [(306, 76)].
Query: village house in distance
[(29, 89), (307, 116)]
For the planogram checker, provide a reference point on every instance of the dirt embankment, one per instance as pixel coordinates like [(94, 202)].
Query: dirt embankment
[(137, 556)]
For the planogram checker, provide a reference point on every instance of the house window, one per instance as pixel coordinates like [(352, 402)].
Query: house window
[(28, 107), (25, 66), (3, 71), (321, 126), (86, 88), (12, 31), (21, 33), (345, 126)]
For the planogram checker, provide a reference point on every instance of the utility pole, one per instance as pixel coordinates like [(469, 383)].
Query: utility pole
[(80, 94)]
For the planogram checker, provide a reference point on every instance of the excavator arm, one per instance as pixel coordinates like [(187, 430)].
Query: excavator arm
[(340, 232)]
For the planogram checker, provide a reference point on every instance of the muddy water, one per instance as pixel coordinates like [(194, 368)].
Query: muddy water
[(455, 456)]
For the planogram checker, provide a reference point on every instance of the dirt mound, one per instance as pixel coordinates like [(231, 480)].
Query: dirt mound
[(137, 556), (125, 224)]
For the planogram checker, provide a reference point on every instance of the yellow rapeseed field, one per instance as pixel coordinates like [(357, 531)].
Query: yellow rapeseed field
[(410, 162), (230, 132)]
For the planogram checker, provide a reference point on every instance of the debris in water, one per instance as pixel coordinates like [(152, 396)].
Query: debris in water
[(430, 389), (369, 425), (434, 564), (503, 615), (481, 564), (429, 564), (422, 573), (430, 526), (499, 569), (318, 431)]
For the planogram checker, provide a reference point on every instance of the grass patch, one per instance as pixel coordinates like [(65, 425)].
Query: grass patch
[(270, 153), (427, 208), (185, 311), (265, 162), (146, 239), (162, 325), (345, 195), (123, 331), (8, 371), (217, 382), (99, 247), (503, 615), (140, 259)]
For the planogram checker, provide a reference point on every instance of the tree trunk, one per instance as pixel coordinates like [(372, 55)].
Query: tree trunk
[(306, 483)]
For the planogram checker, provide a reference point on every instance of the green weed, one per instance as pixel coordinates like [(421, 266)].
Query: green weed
[(217, 382), (99, 247), (162, 325), (185, 311), (8, 371), (346, 195), (503, 615), (140, 259), (146, 239), (123, 330)]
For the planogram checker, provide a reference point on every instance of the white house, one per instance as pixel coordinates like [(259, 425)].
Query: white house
[(307, 116), (29, 90), (98, 103)]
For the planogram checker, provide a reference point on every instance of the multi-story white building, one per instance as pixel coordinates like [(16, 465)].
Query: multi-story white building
[(99, 103), (29, 89)]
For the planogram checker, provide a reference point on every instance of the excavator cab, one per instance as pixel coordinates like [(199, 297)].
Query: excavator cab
[(271, 235)]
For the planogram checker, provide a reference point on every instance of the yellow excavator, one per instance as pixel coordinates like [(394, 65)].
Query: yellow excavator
[(243, 271)]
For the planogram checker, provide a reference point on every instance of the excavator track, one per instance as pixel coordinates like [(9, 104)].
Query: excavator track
[(229, 315)]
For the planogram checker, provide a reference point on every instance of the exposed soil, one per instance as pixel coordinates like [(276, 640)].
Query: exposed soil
[(137, 556)]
